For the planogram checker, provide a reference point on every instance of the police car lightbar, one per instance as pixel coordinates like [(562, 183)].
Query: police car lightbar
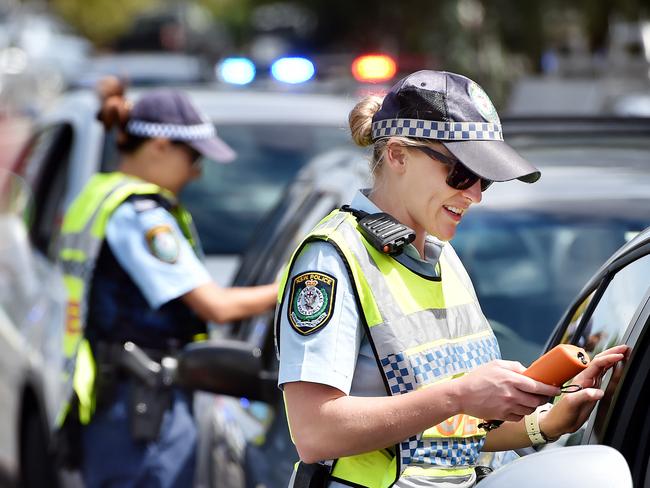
[(293, 70), (374, 68), (236, 71)]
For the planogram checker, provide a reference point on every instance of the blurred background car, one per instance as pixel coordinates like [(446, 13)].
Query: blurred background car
[(613, 308), (528, 248), (31, 297)]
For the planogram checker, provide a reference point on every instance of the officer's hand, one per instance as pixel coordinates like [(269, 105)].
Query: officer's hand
[(573, 409), (498, 391)]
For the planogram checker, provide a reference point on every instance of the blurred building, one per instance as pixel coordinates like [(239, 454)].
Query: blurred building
[(576, 81)]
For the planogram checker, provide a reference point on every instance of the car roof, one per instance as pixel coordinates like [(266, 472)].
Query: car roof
[(540, 126), (225, 105), (588, 165)]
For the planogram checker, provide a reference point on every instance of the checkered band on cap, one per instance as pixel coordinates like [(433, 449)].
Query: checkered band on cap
[(433, 129), (176, 132)]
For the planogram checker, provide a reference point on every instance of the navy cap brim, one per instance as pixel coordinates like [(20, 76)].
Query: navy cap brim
[(214, 149), (493, 160)]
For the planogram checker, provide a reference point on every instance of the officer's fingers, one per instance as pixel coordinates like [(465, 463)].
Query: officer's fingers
[(620, 349), (586, 395), (599, 366), (515, 366), (606, 361), (529, 385), (529, 400)]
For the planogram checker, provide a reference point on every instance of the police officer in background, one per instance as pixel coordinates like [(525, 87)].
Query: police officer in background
[(388, 365), (133, 273)]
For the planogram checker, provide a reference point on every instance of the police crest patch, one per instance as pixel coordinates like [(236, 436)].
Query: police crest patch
[(311, 301), (163, 243), (483, 103)]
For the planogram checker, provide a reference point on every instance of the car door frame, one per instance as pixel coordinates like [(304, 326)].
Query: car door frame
[(627, 396)]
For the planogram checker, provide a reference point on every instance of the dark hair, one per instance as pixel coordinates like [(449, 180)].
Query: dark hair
[(115, 112)]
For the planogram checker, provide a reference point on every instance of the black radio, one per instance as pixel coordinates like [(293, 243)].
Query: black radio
[(383, 231)]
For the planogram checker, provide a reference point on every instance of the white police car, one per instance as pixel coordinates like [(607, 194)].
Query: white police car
[(31, 327)]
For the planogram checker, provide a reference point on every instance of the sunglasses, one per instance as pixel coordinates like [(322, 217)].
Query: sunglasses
[(460, 177), (194, 155)]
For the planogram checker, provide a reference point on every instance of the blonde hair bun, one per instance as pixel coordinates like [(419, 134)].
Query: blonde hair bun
[(360, 119)]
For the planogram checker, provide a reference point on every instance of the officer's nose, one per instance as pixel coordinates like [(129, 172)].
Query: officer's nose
[(473, 193)]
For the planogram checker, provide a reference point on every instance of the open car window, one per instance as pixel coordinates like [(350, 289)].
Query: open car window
[(46, 163), (596, 328)]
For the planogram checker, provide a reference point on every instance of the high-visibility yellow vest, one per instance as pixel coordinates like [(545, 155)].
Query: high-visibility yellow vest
[(82, 235), (422, 330)]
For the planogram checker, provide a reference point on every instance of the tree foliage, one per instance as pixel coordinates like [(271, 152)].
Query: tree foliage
[(102, 21)]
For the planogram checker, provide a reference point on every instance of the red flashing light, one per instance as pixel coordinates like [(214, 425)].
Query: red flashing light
[(374, 68)]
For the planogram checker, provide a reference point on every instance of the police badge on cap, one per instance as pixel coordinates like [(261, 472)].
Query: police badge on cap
[(312, 301)]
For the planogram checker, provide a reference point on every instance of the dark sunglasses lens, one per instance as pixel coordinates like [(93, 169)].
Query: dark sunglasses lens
[(461, 178), (485, 184)]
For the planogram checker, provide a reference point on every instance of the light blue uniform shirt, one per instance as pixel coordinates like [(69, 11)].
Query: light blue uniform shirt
[(339, 354), (158, 280)]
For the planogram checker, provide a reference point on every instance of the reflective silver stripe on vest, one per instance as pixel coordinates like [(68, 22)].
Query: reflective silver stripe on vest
[(422, 348), (85, 242)]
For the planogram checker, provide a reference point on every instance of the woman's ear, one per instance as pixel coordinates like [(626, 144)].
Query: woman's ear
[(396, 157)]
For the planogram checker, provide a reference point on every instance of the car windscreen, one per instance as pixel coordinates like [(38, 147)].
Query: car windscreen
[(229, 200), (528, 265)]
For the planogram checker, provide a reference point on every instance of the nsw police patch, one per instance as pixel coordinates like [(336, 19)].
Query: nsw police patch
[(163, 243), (311, 301)]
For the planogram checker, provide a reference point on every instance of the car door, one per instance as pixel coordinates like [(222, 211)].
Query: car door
[(622, 421), (617, 311), (46, 164)]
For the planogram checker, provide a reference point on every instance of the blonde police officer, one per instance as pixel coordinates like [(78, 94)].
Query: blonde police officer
[(387, 364), (133, 273)]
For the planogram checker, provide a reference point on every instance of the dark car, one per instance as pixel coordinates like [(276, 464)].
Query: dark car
[(614, 308), (528, 248)]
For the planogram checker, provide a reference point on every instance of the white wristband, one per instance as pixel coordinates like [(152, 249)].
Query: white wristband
[(532, 426)]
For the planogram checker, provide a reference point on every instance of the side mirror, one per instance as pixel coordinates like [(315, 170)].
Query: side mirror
[(592, 465), (226, 367)]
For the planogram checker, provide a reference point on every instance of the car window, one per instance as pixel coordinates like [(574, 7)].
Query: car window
[(622, 420), (45, 163), (229, 200), (606, 325), (528, 265)]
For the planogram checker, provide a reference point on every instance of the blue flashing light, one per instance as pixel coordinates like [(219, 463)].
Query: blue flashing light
[(293, 70), (238, 71), (244, 402)]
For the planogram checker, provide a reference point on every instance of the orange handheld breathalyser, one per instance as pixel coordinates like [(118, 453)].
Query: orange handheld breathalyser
[(556, 367)]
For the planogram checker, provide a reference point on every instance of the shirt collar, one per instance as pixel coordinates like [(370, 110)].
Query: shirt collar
[(432, 245)]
